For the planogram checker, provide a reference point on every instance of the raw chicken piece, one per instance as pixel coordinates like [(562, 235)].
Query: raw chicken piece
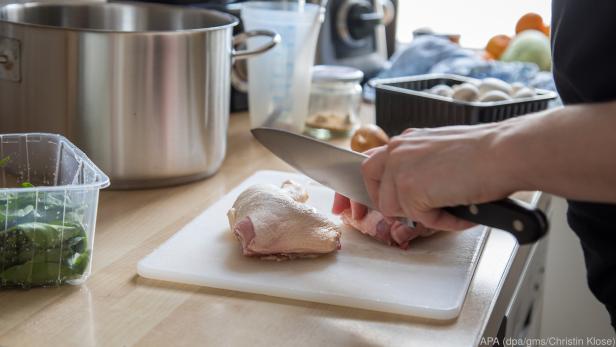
[(274, 223), (295, 191), (389, 231)]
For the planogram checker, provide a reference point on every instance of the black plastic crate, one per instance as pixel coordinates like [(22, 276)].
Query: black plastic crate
[(401, 103)]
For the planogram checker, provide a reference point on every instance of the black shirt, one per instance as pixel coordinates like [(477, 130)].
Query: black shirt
[(584, 56)]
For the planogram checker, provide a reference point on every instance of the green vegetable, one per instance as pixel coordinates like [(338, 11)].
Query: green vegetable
[(5, 161), (43, 241), (26, 185), (530, 46)]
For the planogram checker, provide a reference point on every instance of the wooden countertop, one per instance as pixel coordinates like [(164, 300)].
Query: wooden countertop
[(117, 307)]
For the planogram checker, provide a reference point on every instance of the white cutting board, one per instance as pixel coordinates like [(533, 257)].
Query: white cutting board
[(430, 279)]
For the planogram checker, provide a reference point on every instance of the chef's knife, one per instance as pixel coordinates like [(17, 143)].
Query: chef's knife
[(339, 169)]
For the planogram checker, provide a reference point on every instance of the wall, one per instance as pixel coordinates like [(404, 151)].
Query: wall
[(475, 20)]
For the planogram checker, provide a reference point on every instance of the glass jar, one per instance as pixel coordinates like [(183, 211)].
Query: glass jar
[(335, 98)]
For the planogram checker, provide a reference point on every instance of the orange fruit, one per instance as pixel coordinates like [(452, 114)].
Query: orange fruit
[(497, 45), (530, 21), (546, 30), (487, 56)]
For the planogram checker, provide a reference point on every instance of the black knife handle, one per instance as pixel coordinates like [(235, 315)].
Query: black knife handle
[(526, 224)]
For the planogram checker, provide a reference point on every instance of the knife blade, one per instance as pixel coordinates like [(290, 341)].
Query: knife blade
[(340, 170), (332, 166)]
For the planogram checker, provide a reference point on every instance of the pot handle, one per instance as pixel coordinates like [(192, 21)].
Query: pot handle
[(243, 37)]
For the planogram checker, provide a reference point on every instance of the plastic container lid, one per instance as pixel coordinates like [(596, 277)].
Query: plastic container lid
[(333, 73)]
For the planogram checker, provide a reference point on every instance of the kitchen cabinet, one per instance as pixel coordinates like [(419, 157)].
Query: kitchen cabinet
[(117, 307)]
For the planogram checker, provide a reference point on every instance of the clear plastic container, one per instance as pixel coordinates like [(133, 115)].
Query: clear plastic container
[(279, 80), (48, 203), (335, 99)]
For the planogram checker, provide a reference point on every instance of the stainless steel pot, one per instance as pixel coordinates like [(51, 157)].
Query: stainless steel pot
[(143, 89)]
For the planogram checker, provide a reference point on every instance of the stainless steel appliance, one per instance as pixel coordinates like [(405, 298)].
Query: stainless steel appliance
[(239, 69), (354, 34), (357, 33), (143, 89)]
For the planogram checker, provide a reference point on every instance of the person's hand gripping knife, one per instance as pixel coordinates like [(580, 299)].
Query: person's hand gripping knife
[(421, 171)]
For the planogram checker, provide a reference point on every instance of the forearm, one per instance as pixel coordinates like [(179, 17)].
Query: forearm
[(570, 151)]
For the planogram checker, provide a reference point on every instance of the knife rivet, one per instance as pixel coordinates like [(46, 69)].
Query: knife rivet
[(518, 225), (473, 209)]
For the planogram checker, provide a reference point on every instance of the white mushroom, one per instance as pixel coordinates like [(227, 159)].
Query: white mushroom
[(474, 82), (515, 86), (442, 90), (465, 92), (490, 84), (494, 95), (524, 93)]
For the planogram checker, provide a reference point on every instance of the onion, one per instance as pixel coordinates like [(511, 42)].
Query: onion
[(368, 136)]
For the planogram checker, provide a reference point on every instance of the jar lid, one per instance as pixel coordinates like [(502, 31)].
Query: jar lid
[(334, 73)]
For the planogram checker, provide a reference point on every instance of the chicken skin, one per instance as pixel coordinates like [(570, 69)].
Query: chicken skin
[(275, 223)]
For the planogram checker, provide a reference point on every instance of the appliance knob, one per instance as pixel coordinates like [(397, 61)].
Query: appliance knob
[(356, 21), (362, 21)]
